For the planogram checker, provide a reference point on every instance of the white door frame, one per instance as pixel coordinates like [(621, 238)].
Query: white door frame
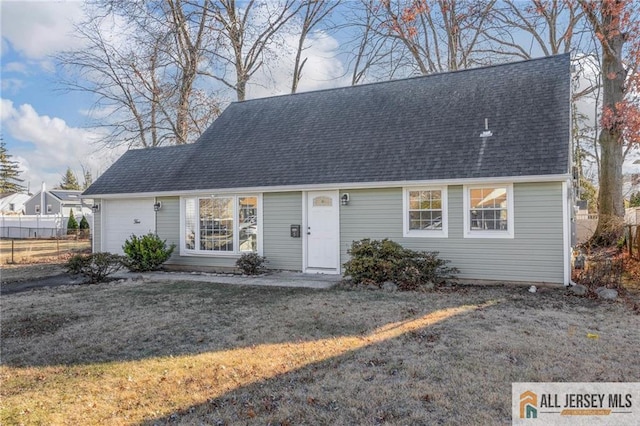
[(305, 224)]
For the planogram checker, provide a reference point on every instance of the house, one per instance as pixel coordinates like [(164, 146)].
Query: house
[(474, 164), (57, 202), (12, 204)]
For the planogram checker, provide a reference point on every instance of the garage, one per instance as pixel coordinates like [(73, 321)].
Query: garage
[(123, 218)]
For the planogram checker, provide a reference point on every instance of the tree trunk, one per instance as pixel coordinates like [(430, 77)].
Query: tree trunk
[(610, 201)]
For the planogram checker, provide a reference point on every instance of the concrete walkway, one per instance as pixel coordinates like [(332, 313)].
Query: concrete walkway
[(273, 279)]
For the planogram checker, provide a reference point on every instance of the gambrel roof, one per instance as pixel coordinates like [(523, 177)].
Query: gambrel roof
[(415, 129)]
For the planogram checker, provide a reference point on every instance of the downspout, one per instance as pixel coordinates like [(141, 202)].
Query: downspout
[(566, 231)]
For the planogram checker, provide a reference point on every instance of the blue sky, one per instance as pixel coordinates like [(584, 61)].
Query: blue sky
[(43, 126)]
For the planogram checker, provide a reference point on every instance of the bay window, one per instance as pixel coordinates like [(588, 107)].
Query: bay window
[(220, 224)]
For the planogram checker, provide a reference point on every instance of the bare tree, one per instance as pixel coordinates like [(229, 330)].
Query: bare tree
[(247, 32), (615, 24), (440, 35), (374, 56), (407, 37), (551, 26), (142, 62), (315, 11)]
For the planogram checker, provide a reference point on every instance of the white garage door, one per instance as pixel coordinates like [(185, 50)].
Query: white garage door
[(123, 218)]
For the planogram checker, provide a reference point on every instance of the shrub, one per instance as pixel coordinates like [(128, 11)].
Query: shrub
[(72, 224), (84, 223), (84, 228), (251, 263), (374, 262), (605, 269), (146, 253), (95, 267)]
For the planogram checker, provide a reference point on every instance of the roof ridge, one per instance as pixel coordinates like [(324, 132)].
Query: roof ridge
[(151, 148), (397, 80)]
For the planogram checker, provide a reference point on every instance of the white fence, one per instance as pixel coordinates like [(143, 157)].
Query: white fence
[(632, 216), (35, 226)]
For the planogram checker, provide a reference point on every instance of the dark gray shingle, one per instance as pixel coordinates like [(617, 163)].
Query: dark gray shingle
[(420, 128)]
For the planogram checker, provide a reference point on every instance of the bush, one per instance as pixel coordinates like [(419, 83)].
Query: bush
[(95, 267), (72, 224), (146, 253), (375, 262), (84, 223), (605, 269), (251, 263), (84, 232)]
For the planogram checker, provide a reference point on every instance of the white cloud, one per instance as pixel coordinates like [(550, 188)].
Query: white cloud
[(50, 145), (12, 85), (4, 46), (323, 69), (18, 67), (98, 112), (6, 109), (38, 29)]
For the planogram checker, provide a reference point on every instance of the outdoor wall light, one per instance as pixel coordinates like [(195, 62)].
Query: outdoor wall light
[(95, 208), (344, 200), (157, 206)]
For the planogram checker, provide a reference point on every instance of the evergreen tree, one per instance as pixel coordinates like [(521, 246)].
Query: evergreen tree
[(9, 172), (72, 224), (84, 223), (69, 181), (88, 179), (634, 200)]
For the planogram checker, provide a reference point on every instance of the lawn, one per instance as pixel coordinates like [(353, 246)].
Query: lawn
[(139, 352), (40, 251)]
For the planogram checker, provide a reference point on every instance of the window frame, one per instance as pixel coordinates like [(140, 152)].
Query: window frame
[(488, 233), (425, 233), (236, 252)]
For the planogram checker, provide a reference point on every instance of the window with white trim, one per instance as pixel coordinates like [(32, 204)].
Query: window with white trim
[(220, 224), (488, 211), (425, 212)]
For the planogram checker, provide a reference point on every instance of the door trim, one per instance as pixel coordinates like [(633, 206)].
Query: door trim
[(305, 250)]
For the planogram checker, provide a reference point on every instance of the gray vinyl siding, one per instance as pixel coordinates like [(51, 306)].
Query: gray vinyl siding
[(168, 223), (280, 211), (534, 254), (96, 232), (30, 205)]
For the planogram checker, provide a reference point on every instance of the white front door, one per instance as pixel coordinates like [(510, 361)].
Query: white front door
[(323, 231)]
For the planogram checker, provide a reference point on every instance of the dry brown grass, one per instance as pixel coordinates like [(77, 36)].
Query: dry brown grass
[(40, 251), (194, 353)]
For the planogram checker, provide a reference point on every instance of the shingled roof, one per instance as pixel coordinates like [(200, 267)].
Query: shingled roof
[(415, 129)]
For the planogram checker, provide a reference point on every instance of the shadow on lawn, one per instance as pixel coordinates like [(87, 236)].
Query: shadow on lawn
[(293, 380), (188, 319), (335, 357), (347, 379)]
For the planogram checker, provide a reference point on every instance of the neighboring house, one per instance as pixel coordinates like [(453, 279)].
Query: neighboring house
[(12, 204), (58, 202), (474, 164)]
